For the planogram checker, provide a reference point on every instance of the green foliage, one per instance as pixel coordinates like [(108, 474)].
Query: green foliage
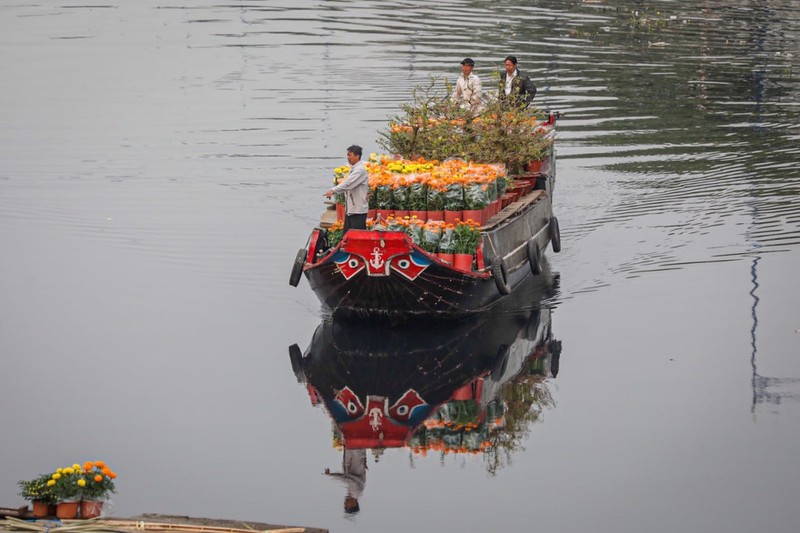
[(466, 238), (37, 489)]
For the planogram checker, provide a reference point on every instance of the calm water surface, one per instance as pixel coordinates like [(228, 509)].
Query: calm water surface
[(161, 163)]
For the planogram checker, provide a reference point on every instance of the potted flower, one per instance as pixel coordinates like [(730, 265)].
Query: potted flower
[(467, 238), (99, 485), (66, 485), (40, 494)]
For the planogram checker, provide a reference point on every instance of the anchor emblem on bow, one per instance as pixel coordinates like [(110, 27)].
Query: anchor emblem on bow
[(375, 418), (377, 258)]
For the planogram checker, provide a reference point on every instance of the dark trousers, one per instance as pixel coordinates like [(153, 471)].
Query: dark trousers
[(355, 221)]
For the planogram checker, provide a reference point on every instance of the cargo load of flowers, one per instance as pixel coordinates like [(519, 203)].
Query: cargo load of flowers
[(431, 190)]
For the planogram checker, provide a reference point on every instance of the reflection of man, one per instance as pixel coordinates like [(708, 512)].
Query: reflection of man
[(353, 476)]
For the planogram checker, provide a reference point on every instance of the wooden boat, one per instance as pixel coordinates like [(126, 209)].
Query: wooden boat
[(381, 385), (384, 276)]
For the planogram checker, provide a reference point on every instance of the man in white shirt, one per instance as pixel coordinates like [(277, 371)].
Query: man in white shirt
[(468, 87), (356, 190), (515, 85)]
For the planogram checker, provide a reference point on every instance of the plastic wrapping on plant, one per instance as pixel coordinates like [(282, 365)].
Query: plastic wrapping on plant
[(447, 241), (417, 196), (476, 195), (454, 197), (383, 197), (431, 235), (435, 196), (399, 196)]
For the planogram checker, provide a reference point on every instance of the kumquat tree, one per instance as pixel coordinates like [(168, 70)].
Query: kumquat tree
[(435, 127)]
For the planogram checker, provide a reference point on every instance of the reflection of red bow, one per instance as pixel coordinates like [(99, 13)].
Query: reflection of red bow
[(348, 399), (403, 408)]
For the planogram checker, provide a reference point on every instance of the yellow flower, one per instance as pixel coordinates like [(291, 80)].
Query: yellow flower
[(81, 482), (68, 470), (76, 466), (51, 482), (57, 475)]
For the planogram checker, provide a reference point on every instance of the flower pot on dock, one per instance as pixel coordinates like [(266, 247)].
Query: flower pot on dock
[(40, 509), (67, 510), (91, 508)]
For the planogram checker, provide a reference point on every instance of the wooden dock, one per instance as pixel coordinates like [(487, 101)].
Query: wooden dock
[(155, 523)]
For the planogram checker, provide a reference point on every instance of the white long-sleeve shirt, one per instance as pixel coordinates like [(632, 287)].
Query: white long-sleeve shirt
[(469, 90), (356, 188)]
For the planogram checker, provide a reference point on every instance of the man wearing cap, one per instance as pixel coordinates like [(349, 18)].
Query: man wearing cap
[(468, 87), (515, 86)]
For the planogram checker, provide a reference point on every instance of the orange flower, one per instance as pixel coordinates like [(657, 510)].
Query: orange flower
[(112, 475), (98, 478), (99, 464)]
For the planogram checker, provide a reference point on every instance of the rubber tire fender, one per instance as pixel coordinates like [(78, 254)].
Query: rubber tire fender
[(297, 267), (555, 235), (500, 275), (534, 257), (296, 358)]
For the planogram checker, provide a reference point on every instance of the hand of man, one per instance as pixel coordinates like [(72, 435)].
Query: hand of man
[(328, 194)]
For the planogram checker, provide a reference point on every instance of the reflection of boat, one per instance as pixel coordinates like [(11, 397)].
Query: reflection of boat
[(398, 387), (383, 275)]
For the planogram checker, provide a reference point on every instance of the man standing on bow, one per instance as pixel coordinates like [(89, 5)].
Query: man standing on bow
[(468, 87), (515, 86), (356, 189)]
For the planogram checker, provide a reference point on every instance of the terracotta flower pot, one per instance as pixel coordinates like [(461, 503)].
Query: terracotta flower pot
[(91, 508), (340, 212), (40, 509), (67, 510)]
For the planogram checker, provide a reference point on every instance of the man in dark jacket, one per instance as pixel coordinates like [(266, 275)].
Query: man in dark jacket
[(515, 85)]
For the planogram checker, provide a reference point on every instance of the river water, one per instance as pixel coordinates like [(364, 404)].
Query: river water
[(162, 162)]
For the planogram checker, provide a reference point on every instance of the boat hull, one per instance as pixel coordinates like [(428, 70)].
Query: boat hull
[(383, 276)]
